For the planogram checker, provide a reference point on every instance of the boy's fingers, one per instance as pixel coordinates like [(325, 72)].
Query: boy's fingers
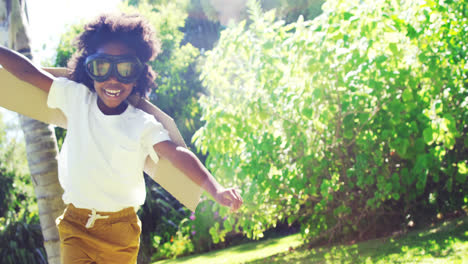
[(236, 193), (225, 199), (231, 198), (236, 199)]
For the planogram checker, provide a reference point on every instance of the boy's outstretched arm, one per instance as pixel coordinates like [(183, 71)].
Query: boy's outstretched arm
[(190, 165), (24, 69)]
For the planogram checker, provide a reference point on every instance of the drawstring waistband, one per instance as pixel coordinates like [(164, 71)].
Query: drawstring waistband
[(93, 217), (88, 217)]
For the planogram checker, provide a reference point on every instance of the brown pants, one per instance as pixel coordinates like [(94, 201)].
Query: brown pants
[(111, 238)]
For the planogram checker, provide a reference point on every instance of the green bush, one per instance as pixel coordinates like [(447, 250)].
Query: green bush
[(179, 244), (20, 233), (291, 10), (286, 10), (160, 216), (353, 123), (21, 240), (204, 230)]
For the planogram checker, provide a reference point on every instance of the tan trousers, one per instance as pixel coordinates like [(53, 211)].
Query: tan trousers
[(98, 237)]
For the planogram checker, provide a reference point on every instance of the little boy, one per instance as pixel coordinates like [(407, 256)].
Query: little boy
[(102, 158)]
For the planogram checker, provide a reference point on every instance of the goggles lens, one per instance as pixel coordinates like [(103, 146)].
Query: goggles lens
[(125, 68), (99, 67)]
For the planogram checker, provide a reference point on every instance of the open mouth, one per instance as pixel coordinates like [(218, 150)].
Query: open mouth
[(112, 93)]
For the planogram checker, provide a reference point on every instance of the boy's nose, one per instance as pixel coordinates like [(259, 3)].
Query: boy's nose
[(112, 78)]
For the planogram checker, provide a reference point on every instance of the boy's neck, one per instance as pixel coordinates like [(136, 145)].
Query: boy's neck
[(112, 111)]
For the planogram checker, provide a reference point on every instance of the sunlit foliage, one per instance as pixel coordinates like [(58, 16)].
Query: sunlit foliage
[(354, 123), (20, 234)]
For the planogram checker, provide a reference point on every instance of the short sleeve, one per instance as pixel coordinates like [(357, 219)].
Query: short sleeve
[(63, 93), (153, 133)]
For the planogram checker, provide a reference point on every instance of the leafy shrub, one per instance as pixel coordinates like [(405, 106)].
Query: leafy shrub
[(291, 10), (178, 245), (20, 233), (353, 123), (21, 240), (204, 230), (160, 217), (286, 10)]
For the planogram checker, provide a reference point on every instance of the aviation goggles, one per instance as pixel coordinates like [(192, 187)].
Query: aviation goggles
[(126, 68)]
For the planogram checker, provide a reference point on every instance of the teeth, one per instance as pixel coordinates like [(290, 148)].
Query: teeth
[(112, 93)]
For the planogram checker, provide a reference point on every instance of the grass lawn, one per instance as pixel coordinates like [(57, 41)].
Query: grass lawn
[(443, 243)]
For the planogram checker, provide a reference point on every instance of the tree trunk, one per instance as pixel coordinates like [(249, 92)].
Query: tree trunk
[(41, 151), (41, 144)]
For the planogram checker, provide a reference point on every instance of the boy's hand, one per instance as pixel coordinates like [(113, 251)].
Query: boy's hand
[(229, 197), (190, 165)]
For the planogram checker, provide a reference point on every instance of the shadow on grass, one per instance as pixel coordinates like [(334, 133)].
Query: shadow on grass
[(437, 241), (443, 242), (254, 246)]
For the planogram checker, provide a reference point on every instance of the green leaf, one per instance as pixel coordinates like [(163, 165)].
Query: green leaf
[(462, 168), (405, 176), (394, 48), (407, 95), (449, 140), (381, 58), (348, 134), (412, 33), (461, 178), (268, 45), (402, 146), (347, 15), (388, 187), (428, 135), (292, 219)]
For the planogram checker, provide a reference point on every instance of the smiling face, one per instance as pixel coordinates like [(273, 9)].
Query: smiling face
[(112, 93)]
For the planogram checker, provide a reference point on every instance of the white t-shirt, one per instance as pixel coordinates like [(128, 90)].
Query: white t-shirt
[(102, 157)]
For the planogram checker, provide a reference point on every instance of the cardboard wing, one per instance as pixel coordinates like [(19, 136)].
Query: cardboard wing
[(23, 98)]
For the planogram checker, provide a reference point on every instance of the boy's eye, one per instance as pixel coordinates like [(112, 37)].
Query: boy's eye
[(126, 69), (99, 67)]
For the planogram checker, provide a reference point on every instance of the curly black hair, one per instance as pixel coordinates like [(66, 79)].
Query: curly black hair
[(130, 29)]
